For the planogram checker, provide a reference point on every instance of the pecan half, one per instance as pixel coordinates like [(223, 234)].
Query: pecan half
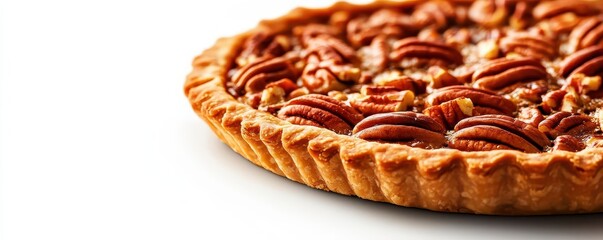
[(448, 114), (400, 83), (530, 115), (254, 76), (261, 44), (488, 13), (588, 33), (553, 100), (584, 84), (320, 111), (566, 123), (433, 52), (588, 61), (526, 44), (390, 102), (492, 132), (501, 73), (557, 25), (375, 56), (328, 64), (548, 9), (329, 48), (409, 128), (484, 101), (436, 13), (387, 22), (568, 143)]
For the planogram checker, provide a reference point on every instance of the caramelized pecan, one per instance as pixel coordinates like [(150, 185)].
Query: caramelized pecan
[(568, 143), (553, 100), (448, 114), (520, 16), (566, 123), (493, 132), (501, 73), (435, 13), (320, 111), (329, 48), (387, 22), (548, 9), (557, 25), (588, 33), (457, 37), (390, 102), (588, 61), (584, 84), (529, 45), (531, 91), (263, 44), (375, 56), (532, 116), (436, 53), (254, 76), (484, 101), (404, 83), (488, 13), (328, 64), (409, 128)]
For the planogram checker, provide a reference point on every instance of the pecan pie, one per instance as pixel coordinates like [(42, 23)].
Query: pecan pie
[(488, 106)]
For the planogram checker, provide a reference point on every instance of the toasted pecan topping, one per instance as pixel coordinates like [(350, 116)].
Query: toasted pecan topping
[(472, 75)]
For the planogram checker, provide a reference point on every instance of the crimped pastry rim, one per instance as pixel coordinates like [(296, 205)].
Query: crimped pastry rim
[(392, 173)]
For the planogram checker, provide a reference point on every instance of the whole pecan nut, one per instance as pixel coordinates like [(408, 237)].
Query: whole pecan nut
[(493, 132), (254, 76), (409, 128), (320, 111), (484, 101), (503, 72), (567, 123), (433, 52)]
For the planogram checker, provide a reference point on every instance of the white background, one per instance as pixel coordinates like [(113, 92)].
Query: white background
[(97, 140)]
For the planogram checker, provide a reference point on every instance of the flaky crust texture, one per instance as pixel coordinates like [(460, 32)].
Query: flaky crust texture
[(502, 182)]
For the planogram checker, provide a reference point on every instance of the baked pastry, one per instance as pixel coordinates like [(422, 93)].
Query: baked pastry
[(489, 107)]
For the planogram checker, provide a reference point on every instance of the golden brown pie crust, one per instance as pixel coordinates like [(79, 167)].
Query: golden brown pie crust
[(501, 182)]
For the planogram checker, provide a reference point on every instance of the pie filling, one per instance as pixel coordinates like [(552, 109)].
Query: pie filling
[(474, 76)]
